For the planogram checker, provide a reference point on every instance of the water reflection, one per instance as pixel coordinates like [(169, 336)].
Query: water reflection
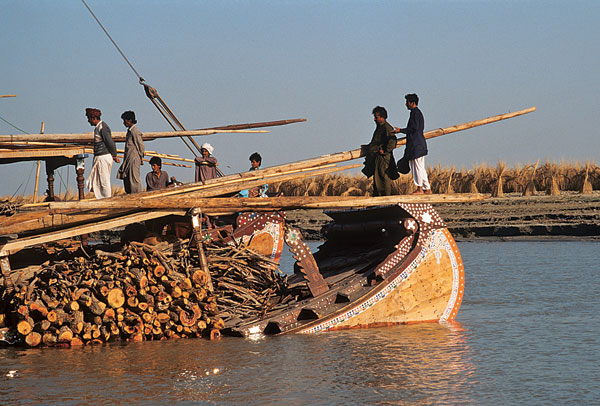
[(528, 334), (418, 363)]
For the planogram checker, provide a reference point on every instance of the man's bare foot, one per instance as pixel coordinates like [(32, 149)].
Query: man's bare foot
[(427, 191)]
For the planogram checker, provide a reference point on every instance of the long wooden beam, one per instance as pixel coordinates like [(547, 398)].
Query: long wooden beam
[(16, 245), (20, 150), (88, 138), (41, 152), (257, 125), (470, 124), (222, 206), (266, 204)]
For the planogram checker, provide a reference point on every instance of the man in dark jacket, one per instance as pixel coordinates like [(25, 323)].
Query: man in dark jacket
[(379, 160), (416, 146)]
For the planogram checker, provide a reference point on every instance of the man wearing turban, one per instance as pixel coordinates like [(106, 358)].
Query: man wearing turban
[(206, 165), (105, 152)]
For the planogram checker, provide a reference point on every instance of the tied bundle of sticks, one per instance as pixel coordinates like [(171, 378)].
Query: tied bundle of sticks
[(248, 284)]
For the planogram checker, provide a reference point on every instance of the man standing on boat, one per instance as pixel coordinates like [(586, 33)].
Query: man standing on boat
[(379, 160), (105, 152), (206, 165), (134, 155), (416, 146)]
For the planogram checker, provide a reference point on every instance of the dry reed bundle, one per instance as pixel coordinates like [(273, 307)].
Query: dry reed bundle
[(530, 188), (448, 184), (549, 175), (403, 185), (352, 191), (586, 186), (485, 177), (497, 191), (436, 176), (473, 178)]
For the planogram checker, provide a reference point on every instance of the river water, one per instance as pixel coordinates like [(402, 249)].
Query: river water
[(527, 333)]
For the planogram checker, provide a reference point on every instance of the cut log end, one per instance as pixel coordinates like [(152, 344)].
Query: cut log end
[(116, 298)]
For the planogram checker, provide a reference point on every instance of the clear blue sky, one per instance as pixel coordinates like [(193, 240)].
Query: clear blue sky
[(331, 62)]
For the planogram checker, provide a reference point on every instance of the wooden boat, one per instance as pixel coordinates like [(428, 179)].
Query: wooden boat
[(387, 260), (380, 266)]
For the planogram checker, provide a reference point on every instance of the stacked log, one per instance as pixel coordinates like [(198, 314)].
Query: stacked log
[(139, 294)]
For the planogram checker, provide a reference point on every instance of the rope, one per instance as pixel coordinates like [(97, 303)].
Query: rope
[(12, 125), (31, 170), (62, 182), (150, 92), (111, 40), (21, 185)]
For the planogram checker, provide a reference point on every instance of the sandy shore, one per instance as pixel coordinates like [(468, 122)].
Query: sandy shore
[(569, 215)]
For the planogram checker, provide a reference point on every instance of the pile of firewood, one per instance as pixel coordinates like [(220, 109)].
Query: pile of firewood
[(139, 293)]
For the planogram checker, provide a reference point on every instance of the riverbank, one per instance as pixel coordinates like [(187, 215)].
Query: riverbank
[(568, 215)]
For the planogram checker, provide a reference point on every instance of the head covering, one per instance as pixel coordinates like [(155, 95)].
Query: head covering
[(93, 113), (207, 147)]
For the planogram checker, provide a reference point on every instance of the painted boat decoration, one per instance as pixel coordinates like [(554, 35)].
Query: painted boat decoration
[(380, 266)]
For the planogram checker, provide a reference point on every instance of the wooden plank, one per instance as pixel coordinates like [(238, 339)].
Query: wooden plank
[(257, 125), (267, 203), (19, 244), (88, 138), (52, 219), (42, 153)]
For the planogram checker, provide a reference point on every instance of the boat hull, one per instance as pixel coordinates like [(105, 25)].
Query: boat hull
[(429, 289)]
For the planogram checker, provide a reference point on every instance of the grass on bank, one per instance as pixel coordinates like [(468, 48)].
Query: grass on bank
[(549, 178)]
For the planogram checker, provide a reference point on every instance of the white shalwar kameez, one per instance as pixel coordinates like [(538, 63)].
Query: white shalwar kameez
[(99, 179), (417, 167)]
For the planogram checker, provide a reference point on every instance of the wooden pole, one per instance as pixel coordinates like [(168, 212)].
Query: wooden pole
[(7, 95), (37, 172), (210, 205), (16, 245), (465, 126), (197, 226), (257, 125), (88, 138)]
